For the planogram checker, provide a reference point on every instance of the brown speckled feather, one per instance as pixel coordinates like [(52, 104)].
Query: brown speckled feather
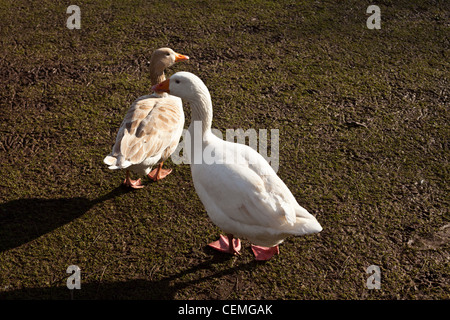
[(151, 126)]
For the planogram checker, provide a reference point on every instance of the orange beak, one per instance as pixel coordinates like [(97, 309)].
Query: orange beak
[(162, 86), (180, 57)]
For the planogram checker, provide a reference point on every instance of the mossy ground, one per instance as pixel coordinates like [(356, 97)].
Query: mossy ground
[(363, 122)]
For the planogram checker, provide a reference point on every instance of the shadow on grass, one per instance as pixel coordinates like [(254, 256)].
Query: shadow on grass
[(139, 289), (24, 220)]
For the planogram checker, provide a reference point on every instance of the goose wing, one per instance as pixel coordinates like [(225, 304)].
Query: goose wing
[(246, 191), (150, 126)]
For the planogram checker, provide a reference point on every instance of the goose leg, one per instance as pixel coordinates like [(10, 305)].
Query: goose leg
[(223, 244), (264, 253), (159, 173), (135, 184)]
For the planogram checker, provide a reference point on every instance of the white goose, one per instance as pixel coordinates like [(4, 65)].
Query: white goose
[(241, 192), (151, 129)]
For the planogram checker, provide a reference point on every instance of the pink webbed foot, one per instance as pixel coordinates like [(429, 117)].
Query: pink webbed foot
[(223, 245), (135, 184), (264, 253), (159, 173)]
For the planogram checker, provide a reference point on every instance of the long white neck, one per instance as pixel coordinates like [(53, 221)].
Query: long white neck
[(201, 108)]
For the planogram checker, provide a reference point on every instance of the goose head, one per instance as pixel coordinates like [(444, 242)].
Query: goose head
[(182, 84), (163, 58)]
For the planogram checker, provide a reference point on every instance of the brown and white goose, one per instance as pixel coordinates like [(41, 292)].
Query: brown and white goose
[(151, 129)]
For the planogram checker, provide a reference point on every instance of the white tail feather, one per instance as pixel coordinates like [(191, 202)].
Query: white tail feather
[(116, 162), (110, 161)]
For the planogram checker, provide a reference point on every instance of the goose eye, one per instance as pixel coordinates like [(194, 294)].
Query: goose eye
[(177, 81), (167, 54)]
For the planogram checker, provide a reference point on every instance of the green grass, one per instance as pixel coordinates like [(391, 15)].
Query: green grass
[(363, 122)]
